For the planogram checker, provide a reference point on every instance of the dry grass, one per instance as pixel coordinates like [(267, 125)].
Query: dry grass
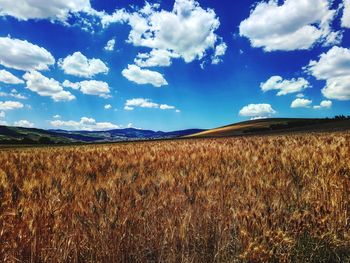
[(256, 199)]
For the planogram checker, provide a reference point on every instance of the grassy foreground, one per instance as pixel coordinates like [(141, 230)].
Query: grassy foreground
[(254, 199)]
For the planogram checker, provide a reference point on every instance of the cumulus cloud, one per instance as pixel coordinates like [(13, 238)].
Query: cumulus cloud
[(142, 103), (90, 87), (79, 65), (110, 45), (24, 123), (9, 78), (159, 29), (146, 103), (48, 87), (325, 104), (108, 107), (72, 85), (10, 105), (119, 16), (258, 118), (22, 55), (284, 87), (85, 123), (42, 9), (293, 25), (257, 110), (334, 68), (144, 76), (301, 103), (2, 114), (156, 58), (13, 94), (346, 14), (166, 107), (128, 108), (94, 87), (220, 51)]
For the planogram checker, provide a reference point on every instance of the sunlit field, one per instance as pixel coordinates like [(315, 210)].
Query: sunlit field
[(245, 199)]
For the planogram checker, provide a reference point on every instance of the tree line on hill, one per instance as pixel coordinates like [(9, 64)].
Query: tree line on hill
[(341, 117)]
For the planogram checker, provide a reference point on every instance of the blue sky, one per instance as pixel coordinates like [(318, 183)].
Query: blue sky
[(169, 65)]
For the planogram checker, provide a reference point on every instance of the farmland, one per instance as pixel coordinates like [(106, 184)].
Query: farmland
[(278, 198)]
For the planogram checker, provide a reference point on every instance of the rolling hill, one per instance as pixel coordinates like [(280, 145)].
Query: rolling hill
[(274, 126), (28, 136), (18, 135)]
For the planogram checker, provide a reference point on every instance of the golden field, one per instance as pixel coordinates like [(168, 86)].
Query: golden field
[(279, 198)]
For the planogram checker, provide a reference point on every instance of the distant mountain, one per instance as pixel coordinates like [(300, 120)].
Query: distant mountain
[(123, 134), (275, 126), (17, 135)]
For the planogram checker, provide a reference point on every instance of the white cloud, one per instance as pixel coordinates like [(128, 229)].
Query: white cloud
[(24, 123), (119, 16), (284, 87), (156, 58), (142, 103), (22, 55), (293, 25), (10, 105), (44, 86), (3, 122), (220, 51), (9, 78), (166, 107), (108, 107), (88, 124), (337, 88), (110, 45), (334, 63), (301, 103), (2, 114), (57, 116), (258, 118), (90, 87), (146, 103), (346, 14), (94, 87), (144, 76), (42, 9), (324, 104), (87, 121), (69, 84), (187, 31), (334, 67), (13, 94), (128, 108), (257, 110), (80, 66)]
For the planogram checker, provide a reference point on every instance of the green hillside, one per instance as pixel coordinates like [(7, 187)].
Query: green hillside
[(17, 135)]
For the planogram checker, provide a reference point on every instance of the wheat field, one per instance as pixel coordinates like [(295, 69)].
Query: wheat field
[(276, 198)]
